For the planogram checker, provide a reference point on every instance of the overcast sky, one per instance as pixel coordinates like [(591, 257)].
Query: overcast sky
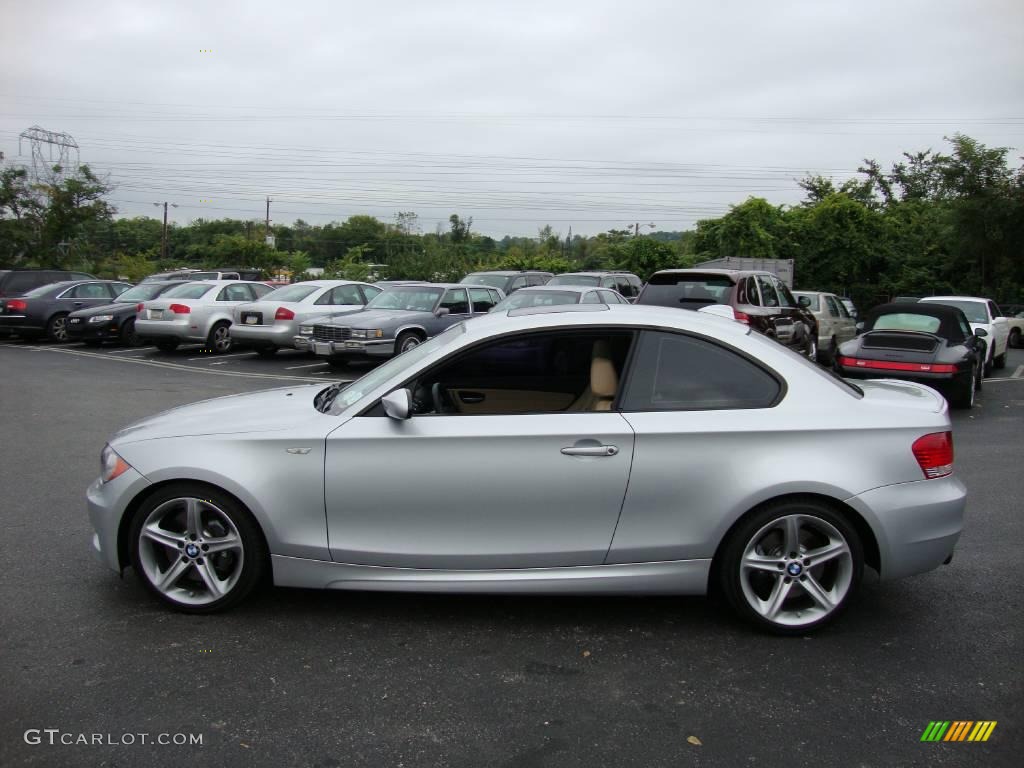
[(588, 114)]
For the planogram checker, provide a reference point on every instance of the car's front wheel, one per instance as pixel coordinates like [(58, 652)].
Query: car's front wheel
[(792, 566), (196, 548), (407, 341)]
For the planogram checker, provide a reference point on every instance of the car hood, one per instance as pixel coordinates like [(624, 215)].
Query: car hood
[(381, 318), (902, 394), (106, 309), (267, 411)]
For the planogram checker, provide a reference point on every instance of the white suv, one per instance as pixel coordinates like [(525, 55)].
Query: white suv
[(982, 314)]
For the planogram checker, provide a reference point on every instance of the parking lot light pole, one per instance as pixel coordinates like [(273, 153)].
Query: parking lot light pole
[(163, 236)]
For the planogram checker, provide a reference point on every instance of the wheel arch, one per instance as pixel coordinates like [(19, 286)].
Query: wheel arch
[(872, 552), (419, 330)]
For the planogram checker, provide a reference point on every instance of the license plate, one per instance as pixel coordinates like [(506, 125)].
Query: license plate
[(321, 348), (75, 320), (353, 344), (250, 320), (156, 314)]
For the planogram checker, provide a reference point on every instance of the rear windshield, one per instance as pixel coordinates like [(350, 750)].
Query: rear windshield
[(291, 293), (688, 291), (491, 281), (142, 292), (524, 297), (574, 280), (904, 321), (189, 291)]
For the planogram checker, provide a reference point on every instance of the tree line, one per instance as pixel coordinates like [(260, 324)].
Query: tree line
[(934, 222)]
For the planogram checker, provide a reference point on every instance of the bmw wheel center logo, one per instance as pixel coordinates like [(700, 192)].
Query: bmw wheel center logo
[(192, 550), (794, 569)]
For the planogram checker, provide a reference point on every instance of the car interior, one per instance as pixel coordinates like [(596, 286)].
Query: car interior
[(540, 373)]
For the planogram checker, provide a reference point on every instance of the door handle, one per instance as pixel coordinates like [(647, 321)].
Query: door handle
[(591, 450), (471, 398)]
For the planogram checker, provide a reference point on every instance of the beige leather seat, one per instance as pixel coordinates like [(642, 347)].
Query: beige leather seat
[(604, 382)]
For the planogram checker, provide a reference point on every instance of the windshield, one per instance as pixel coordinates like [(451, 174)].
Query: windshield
[(189, 291), (491, 281), (572, 279), (291, 293), (690, 291), (527, 298), (393, 367), (410, 298), (975, 310), (905, 321), (142, 292)]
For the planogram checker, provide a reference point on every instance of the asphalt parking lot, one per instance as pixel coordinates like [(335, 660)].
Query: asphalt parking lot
[(338, 679)]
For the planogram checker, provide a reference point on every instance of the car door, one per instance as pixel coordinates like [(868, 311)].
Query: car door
[(843, 324), (456, 301), (506, 486), (83, 296)]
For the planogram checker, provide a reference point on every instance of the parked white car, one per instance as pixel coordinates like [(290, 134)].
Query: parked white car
[(835, 323), (273, 321), (196, 312), (983, 314), (1016, 326)]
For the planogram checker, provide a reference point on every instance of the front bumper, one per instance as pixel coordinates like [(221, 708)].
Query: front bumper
[(107, 503), (355, 348), (83, 329), (916, 524)]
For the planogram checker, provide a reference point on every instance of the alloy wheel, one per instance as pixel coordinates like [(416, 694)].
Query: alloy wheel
[(190, 551), (796, 570), (221, 337), (409, 343), (59, 328)]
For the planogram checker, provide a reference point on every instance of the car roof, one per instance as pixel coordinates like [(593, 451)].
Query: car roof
[(632, 315)]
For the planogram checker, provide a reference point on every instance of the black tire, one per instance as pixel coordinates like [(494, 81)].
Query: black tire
[(1015, 338), (266, 352), (963, 390), (167, 345), (828, 357), (219, 340), (999, 361), (986, 369), (92, 343), (253, 549), (337, 363), (57, 327), (845, 570), (407, 341), (128, 335)]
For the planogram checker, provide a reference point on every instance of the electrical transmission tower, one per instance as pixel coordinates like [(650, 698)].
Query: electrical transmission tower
[(48, 149)]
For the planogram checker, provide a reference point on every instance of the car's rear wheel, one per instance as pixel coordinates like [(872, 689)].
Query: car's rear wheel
[(219, 340), (792, 566), (57, 328), (828, 357), (1015, 338), (128, 335), (407, 341), (196, 548), (167, 345), (964, 389)]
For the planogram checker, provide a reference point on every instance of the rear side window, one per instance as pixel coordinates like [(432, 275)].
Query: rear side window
[(591, 297), (532, 280), (833, 306), (260, 290), (517, 283), (675, 372), (482, 299), (346, 294), (89, 291), (455, 301), (235, 293)]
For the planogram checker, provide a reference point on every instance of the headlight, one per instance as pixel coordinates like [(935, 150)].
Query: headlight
[(101, 318), (305, 330), (111, 465), (367, 333)]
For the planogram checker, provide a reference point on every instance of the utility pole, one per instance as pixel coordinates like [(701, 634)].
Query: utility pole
[(163, 236), (266, 228), (636, 228)]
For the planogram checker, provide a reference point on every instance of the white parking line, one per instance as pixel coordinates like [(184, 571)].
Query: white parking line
[(1005, 378), (220, 357), (311, 365), (129, 351), (1019, 373)]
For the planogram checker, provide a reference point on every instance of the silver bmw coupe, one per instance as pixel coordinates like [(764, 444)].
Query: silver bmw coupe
[(567, 449)]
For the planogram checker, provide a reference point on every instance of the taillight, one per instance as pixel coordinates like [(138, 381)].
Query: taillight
[(741, 317), (139, 307), (888, 365), (934, 453), (180, 309), (283, 313), (16, 305)]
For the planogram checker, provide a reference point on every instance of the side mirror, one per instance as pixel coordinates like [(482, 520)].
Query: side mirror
[(860, 327), (804, 301), (398, 404), (442, 311), (980, 333)]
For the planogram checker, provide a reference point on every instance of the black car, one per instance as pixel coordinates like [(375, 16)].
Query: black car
[(45, 310), (116, 321), (757, 298), (927, 343), (626, 283), (507, 281)]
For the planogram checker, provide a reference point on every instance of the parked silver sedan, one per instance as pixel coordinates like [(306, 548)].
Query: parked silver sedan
[(273, 321), (194, 312), (594, 449)]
